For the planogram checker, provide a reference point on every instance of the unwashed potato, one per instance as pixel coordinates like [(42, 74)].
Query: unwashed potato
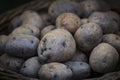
[(14, 23), (80, 57), (27, 29), (30, 67), (68, 21), (88, 36), (80, 70), (84, 21), (113, 40), (62, 6), (21, 45), (90, 6), (57, 45), (104, 58), (32, 18), (47, 29), (55, 71), (11, 62), (3, 41), (105, 21)]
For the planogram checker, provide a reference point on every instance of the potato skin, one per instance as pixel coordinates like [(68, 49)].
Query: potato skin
[(84, 21), (12, 63), (55, 71), (3, 41), (105, 21), (27, 29), (21, 45), (31, 67), (90, 6), (57, 45), (104, 58), (79, 56), (59, 7), (47, 29), (32, 18), (88, 36), (113, 40), (68, 21), (80, 70)]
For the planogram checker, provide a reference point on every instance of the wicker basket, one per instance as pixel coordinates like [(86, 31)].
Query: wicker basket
[(39, 6)]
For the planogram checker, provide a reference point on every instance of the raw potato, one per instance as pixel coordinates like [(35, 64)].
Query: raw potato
[(55, 71), (57, 45), (105, 22), (47, 29), (80, 70), (11, 62), (68, 21), (84, 21), (31, 67), (104, 58), (27, 29), (59, 7), (21, 45), (3, 41), (32, 18), (14, 23), (113, 40), (88, 36), (90, 6), (46, 19), (79, 56)]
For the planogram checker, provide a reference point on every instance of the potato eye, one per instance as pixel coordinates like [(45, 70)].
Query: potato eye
[(14, 38), (32, 41)]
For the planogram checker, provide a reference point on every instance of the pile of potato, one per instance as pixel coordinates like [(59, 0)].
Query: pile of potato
[(74, 40)]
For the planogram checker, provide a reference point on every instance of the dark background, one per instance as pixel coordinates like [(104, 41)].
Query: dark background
[(6, 5)]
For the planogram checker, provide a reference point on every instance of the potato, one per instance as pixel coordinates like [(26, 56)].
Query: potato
[(27, 29), (105, 22), (84, 21), (55, 71), (46, 19), (3, 41), (80, 69), (90, 6), (47, 29), (30, 67), (68, 21), (14, 23), (88, 36), (57, 45), (32, 18), (80, 57), (21, 45), (11, 62), (113, 40), (104, 58), (59, 7)]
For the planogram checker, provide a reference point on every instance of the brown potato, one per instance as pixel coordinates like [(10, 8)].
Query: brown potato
[(31, 67), (21, 45), (57, 45), (27, 29), (80, 57), (113, 40), (84, 21), (55, 71), (47, 29), (11, 62), (3, 41), (58, 7), (105, 22), (32, 18), (90, 6), (88, 36), (68, 21), (80, 70), (104, 58)]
